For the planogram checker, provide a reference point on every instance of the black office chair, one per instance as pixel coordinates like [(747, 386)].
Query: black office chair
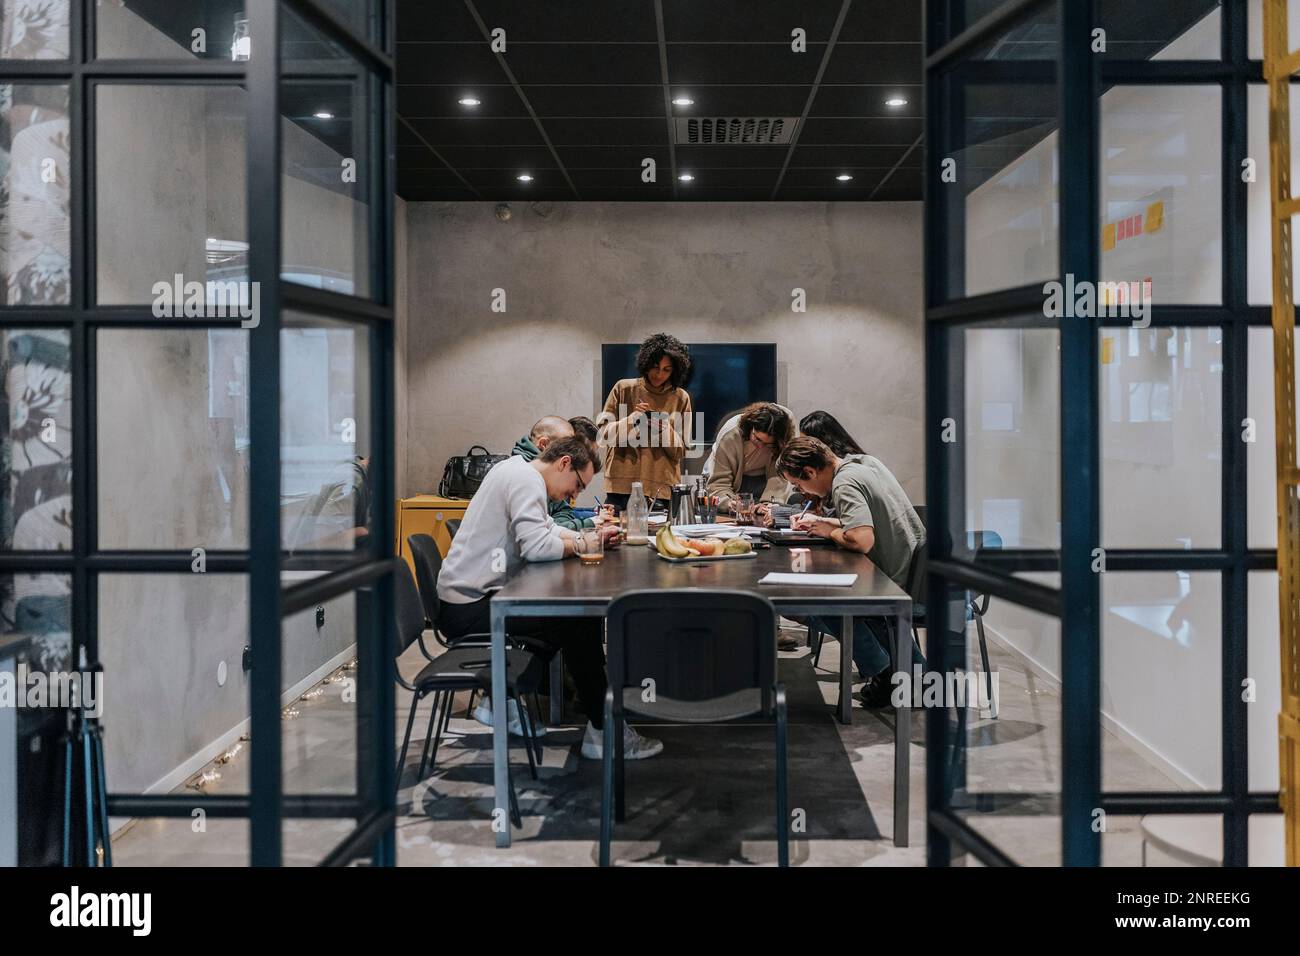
[(453, 525), (712, 657), (461, 668)]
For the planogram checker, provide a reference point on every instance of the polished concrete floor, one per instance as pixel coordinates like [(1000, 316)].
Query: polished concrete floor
[(708, 800)]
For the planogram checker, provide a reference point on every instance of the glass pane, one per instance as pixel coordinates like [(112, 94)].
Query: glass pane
[(319, 721), (1259, 237), (35, 194), (36, 445), (327, 175), (1019, 752), (1267, 840), (170, 223), (1264, 667), (39, 608), (1161, 840), (325, 434), (1162, 680), (172, 29), (999, 199), (175, 689), (1162, 30), (1255, 28), (34, 29), (1035, 37), (360, 15), (1008, 439), (173, 439), (1161, 409), (1161, 197), (1261, 446)]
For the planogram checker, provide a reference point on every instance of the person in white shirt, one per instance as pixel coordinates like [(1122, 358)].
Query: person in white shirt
[(506, 525)]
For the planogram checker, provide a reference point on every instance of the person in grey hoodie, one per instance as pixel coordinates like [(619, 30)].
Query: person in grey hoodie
[(546, 430)]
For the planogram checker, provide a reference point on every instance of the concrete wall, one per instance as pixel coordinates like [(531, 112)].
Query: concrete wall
[(578, 275)]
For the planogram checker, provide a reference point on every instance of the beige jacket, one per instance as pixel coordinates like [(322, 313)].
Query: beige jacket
[(642, 454), (726, 467)]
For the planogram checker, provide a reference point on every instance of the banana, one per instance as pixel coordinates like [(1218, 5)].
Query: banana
[(669, 544)]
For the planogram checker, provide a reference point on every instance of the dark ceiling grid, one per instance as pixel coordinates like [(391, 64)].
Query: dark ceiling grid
[(668, 96), (505, 67), (590, 90), (812, 94)]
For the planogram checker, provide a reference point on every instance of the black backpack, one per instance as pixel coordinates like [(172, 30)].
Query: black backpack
[(464, 473)]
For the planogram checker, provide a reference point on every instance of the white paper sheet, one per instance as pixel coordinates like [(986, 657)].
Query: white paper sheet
[(810, 580)]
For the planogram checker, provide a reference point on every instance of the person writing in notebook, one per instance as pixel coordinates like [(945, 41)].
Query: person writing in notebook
[(875, 518)]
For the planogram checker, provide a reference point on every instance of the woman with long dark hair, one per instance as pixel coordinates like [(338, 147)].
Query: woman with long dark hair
[(824, 427), (646, 423), (745, 453)]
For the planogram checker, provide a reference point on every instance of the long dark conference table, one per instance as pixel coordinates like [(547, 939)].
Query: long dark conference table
[(571, 589)]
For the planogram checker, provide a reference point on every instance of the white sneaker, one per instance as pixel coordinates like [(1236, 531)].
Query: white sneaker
[(635, 747), (483, 714)]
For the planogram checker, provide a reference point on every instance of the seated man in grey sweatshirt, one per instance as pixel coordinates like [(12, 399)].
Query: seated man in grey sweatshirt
[(506, 525)]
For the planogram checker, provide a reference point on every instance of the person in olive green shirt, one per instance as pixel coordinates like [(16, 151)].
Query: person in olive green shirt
[(548, 429), (875, 518)]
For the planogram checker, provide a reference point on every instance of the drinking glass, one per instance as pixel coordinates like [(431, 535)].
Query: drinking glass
[(590, 546)]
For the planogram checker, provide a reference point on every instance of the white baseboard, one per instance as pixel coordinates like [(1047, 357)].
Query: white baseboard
[(1152, 756), (201, 758)]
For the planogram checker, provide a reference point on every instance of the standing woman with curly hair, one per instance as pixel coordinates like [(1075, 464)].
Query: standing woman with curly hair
[(646, 423)]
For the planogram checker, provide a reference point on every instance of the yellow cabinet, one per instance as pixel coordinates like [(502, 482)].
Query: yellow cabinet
[(427, 514)]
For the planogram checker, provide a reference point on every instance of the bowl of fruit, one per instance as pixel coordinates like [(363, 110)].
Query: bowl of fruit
[(670, 547)]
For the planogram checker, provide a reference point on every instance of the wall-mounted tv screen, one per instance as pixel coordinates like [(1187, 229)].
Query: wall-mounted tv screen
[(724, 378)]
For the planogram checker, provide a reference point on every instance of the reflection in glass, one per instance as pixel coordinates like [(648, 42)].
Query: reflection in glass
[(1009, 432), (1161, 408), (39, 607), (1161, 680), (1162, 30), (319, 729), (168, 29), (173, 439), (34, 29), (36, 445), (177, 208), (35, 194), (1160, 191), (324, 434), (1261, 452), (1264, 665), (326, 165)]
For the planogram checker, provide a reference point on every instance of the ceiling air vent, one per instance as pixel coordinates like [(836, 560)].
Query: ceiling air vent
[(733, 130)]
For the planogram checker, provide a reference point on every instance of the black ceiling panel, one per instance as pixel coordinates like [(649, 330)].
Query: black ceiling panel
[(608, 64), (463, 64), (569, 21), (591, 71), (732, 63), (749, 21), (612, 101), (905, 184), (833, 157), (427, 100)]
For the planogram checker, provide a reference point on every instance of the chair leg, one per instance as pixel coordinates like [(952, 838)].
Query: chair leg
[(435, 717), (406, 740), (443, 719), (620, 802), (607, 781), (817, 650), (537, 709), (984, 661), (469, 708), (528, 734), (515, 818), (782, 776)]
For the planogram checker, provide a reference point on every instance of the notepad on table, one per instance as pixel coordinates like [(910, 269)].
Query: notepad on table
[(809, 580)]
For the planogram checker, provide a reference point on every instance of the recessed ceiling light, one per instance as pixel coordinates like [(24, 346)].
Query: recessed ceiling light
[(683, 101), (469, 101), (844, 177), (524, 178), (686, 177), (322, 114), (895, 101)]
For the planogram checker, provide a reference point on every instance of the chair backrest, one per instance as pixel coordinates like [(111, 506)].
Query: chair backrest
[(452, 527), (428, 563), (710, 653), (409, 611)]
